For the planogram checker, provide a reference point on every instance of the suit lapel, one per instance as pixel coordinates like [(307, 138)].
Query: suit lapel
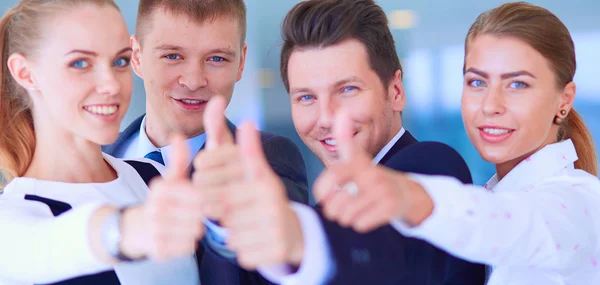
[(406, 259), (405, 140)]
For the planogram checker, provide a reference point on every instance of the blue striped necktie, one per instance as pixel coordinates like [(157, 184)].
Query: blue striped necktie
[(156, 156)]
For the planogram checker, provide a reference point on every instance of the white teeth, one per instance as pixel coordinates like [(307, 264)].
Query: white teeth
[(192, 101), (102, 110), (331, 142), (495, 132)]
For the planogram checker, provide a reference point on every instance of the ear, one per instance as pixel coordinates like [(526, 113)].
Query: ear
[(136, 56), (396, 92), (567, 98), (20, 70), (242, 62)]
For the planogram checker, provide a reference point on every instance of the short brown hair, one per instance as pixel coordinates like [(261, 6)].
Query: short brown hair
[(544, 32), (197, 10), (322, 23)]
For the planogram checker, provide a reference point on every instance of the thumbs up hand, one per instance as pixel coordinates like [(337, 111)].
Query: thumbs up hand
[(263, 228), (218, 163), (169, 224), (357, 193), (215, 124)]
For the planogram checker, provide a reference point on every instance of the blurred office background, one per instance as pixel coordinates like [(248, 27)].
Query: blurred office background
[(429, 38)]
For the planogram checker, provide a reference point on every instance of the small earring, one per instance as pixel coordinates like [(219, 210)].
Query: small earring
[(558, 120), (32, 88)]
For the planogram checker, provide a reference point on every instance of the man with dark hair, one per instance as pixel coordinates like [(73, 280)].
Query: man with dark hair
[(340, 56), (187, 52)]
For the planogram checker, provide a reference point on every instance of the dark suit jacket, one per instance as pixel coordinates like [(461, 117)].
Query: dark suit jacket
[(283, 156), (384, 256), (285, 159)]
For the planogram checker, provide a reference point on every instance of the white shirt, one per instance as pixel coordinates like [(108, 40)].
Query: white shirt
[(317, 264), (540, 224), (38, 248), (140, 145)]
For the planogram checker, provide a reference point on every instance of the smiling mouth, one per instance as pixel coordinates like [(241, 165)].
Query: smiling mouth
[(192, 101), (496, 131), (102, 110), (494, 135), (331, 143), (193, 105)]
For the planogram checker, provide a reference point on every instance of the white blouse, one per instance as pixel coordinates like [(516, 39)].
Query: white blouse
[(36, 247), (539, 225)]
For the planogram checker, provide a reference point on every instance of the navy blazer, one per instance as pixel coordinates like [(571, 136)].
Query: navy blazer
[(384, 256), (285, 159)]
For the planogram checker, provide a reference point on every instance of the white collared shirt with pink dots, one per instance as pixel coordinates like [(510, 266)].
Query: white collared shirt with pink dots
[(539, 225)]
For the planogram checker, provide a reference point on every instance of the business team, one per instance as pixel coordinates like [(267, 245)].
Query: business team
[(183, 196)]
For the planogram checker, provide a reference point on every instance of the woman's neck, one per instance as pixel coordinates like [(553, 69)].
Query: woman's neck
[(63, 157), (502, 169)]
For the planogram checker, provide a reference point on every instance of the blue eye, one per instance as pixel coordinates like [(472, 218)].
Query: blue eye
[(476, 83), (217, 59), (349, 88), (80, 64), (518, 85), (121, 62), (172, 56), (306, 97)]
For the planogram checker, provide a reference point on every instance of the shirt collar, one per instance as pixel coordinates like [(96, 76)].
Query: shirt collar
[(388, 146), (145, 146), (544, 163)]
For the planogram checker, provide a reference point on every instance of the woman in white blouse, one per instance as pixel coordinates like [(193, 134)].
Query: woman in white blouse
[(65, 87), (537, 221)]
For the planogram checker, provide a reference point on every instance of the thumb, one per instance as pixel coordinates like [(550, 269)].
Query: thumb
[(215, 126), (178, 158), (251, 148), (343, 133)]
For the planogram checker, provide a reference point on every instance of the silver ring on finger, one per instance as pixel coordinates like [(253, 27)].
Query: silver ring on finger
[(351, 188)]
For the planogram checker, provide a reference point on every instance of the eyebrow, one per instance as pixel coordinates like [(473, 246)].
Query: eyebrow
[(503, 76), (300, 90), (89, 52), (517, 73), (346, 81), (165, 47), (224, 51)]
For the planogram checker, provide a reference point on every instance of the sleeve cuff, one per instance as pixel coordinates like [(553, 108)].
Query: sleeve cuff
[(218, 233), (216, 239), (317, 264)]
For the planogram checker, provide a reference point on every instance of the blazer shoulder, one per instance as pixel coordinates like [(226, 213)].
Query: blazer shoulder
[(286, 160), (432, 148), (434, 158), (280, 145)]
